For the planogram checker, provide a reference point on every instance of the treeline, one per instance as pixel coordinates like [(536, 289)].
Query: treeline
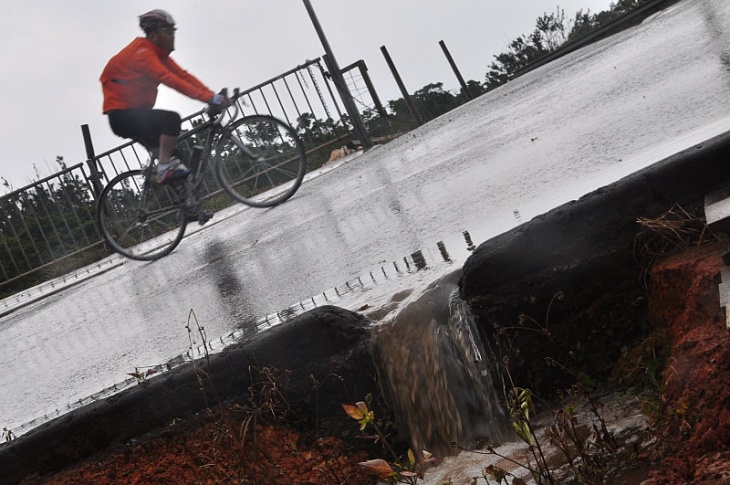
[(552, 31)]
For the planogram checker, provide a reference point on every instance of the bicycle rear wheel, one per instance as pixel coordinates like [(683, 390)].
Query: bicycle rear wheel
[(260, 161), (139, 219)]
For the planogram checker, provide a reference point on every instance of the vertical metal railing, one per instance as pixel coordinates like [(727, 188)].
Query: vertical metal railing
[(45, 221)]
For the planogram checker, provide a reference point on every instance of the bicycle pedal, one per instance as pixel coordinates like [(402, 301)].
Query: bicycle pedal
[(201, 217), (204, 217)]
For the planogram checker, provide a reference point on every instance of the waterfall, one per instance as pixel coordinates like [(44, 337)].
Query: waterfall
[(437, 373)]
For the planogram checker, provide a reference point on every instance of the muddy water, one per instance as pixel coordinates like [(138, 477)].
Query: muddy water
[(437, 372)]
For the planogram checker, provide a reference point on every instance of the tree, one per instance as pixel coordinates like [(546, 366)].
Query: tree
[(315, 132), (583, 24), (475, 89), (433, 100), (552, 29), (548, 36)]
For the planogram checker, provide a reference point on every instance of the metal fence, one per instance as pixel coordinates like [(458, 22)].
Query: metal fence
[(303, 97), (47, 221), (53, 219)]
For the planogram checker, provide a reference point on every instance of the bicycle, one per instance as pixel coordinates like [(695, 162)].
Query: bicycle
[(258, 160)]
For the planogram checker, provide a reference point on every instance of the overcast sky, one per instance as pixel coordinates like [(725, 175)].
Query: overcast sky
[(54, 51)]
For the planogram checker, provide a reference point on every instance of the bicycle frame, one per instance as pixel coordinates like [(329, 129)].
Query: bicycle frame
[(215, 128), (258, 160)]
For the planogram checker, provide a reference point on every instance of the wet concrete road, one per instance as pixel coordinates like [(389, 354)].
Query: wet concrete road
[(546, 138)]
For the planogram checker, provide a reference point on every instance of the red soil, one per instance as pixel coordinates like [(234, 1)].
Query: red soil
[(694, 422), (212, 449)]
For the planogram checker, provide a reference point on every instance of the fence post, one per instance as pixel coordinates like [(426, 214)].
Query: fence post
[(456, 70), (371, 88), (402, 87), (363, 68), (339, 81), (91, 161)]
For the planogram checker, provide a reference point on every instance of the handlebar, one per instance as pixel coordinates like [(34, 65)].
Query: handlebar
[(220, 115)]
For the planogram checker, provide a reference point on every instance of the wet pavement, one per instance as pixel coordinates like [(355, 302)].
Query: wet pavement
[(392, 219)]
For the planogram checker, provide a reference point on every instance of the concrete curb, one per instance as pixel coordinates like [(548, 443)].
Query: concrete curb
[(600, 223), (314, 345)]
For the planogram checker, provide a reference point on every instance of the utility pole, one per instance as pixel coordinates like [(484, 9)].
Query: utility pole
[(339, 81)]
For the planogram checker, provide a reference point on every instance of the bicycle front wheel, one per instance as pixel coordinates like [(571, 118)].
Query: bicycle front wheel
[(139, 219), (260, 161)]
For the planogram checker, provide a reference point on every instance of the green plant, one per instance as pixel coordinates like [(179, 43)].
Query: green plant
[(588, 451), (398, 470), (520, 407), (588, 448)]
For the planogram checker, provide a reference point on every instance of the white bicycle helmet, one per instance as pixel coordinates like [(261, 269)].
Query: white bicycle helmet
[(155, 20)]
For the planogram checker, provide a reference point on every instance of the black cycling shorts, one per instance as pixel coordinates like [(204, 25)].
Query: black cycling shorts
[(145, 125)]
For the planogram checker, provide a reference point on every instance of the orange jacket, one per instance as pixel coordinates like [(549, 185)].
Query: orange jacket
[(130, 78)]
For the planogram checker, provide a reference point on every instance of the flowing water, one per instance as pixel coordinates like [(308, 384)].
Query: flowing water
[(438, 374)]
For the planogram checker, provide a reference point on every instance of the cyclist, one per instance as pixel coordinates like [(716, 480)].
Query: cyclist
[(130, 81)]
